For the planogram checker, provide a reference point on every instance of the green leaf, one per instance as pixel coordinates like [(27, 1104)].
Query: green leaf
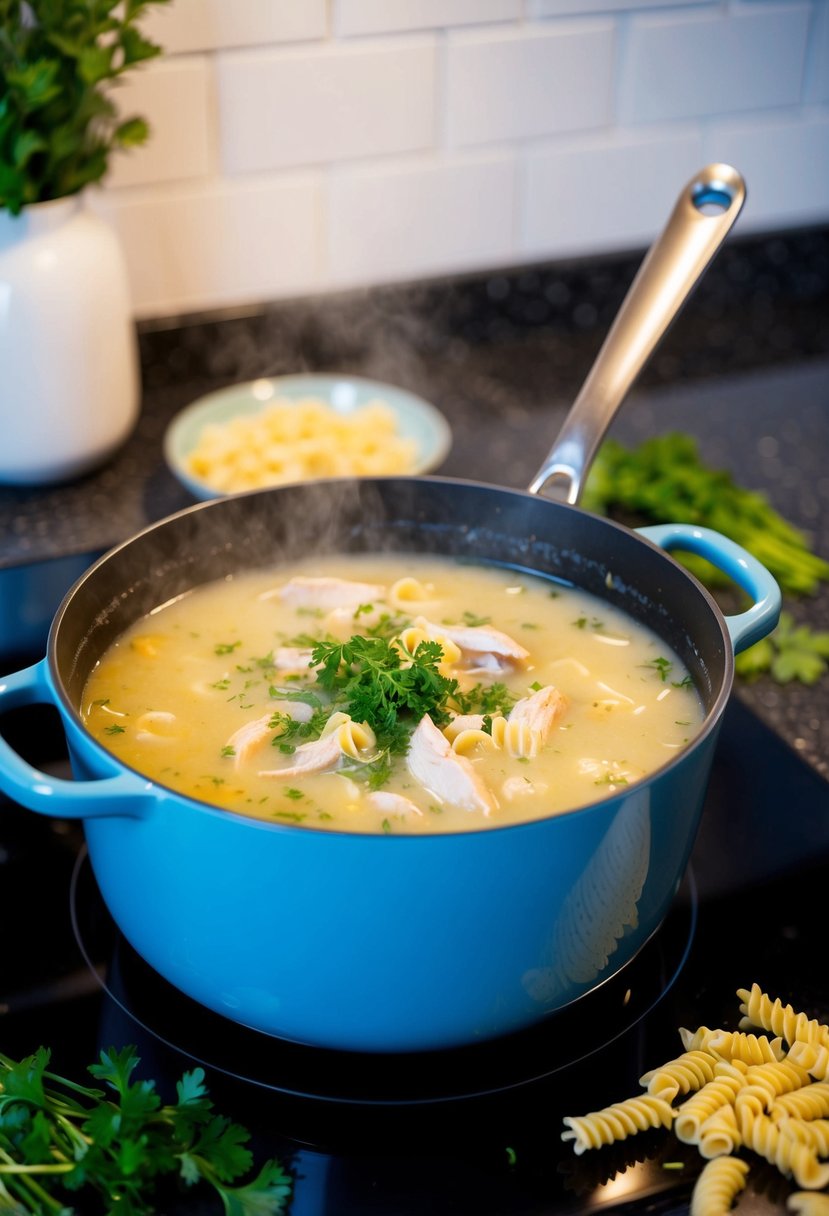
[(191, 1089), (103, 1125), (36, 1145), (266, 1195), (37, 82), (131, 133), (26, 145), (71, 47), (24, 1081), (756, 660), (95, 63), (222, 1145), (116, 1067), (795, 664), (135, 47), (189, 1169), (791, 652)]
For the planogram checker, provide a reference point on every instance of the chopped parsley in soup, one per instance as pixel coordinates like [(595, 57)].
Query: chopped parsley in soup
[(396, 694)]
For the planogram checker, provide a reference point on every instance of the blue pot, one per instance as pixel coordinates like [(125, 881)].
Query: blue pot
[(387, 943)]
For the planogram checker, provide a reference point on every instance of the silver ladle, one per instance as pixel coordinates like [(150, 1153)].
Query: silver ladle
[(703, 216)]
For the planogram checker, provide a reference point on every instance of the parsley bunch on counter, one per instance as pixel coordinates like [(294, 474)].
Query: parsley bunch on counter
[(60, 1140), (663, 480), (790, 652)]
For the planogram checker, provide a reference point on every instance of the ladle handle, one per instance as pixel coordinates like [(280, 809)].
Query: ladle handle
[(704, 214)]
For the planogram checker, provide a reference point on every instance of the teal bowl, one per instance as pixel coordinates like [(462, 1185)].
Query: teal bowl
[(416, 419)]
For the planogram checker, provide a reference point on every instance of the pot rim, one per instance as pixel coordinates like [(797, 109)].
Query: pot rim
[(709, 724)]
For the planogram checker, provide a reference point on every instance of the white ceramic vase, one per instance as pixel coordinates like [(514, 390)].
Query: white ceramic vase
[(69, 386)]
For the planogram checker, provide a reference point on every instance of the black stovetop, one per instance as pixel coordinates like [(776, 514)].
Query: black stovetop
[(463, 1132)]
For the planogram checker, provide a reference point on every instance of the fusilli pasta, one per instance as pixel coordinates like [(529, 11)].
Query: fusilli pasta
[(617, 1122), (750, 1092), (807, 1203), (791, 1156), (718, 1185), (760, 1010), (687, 1072)]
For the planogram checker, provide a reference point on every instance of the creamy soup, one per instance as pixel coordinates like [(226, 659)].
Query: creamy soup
[(394, 694)]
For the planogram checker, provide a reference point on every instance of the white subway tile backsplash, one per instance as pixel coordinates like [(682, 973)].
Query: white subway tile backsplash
[(307, 145), (530, 82), (174, 97), (386, 16), (386, 223), (705, 64), (325, 104), (222, 244), (208, 25), (604, 192), (785, 163)]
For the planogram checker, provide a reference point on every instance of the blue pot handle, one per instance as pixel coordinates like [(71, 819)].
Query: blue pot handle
[(745, 628), (124, 795)]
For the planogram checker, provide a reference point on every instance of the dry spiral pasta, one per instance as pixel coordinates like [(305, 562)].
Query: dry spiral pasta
[(718, 1185), (791, 1156), (768, 1081), (770, 1096), (719, 1134), (687, 1072), (750, 1048), (694, 1112), (814, 1059), (807, 1203), (760, 1010), (814, 1132), (809, 1102), (616, 1122)]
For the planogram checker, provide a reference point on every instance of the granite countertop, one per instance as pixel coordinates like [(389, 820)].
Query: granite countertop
[(745, 369)]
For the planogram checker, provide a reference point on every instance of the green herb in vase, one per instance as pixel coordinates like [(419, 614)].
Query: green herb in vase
[(69, 394), (59, 123)]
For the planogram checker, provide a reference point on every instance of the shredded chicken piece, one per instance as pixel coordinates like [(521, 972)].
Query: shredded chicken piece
[(341, 736), (483, 649), (462, 722), (248, 739), (521, 787), (319, 756), (342, 622), (291, 660), (392, 804), (326, 593), (448, 776), (540, 711)]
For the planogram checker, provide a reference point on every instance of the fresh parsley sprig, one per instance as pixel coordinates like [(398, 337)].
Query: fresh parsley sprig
[(59, 1139), (368, 677)]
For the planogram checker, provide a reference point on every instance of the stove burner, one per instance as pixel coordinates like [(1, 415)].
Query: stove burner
[(566, 1038)]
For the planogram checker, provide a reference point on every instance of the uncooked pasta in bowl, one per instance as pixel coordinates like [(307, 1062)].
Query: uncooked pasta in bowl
[(299, 428)]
